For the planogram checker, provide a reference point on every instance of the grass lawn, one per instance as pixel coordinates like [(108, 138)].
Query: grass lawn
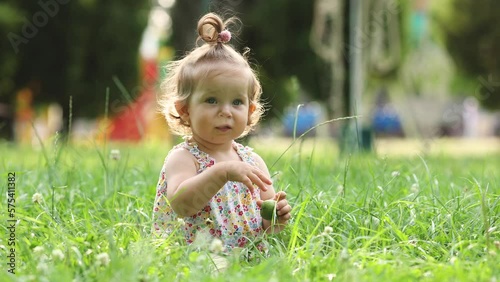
[(84, 216)]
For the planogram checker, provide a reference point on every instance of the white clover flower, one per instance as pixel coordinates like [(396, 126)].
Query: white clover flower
[(414, 188), (395, 173), (38, 249), (102, 259), (453, 260), (216, 246), (115, 154), (344, 255), (37, 198), (57, 254), (330, 276), (340, 189), (168, 251), (328, 230), (42, 267)]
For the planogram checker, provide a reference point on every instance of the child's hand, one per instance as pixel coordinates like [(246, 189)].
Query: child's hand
[(247, 174), (283, 209)]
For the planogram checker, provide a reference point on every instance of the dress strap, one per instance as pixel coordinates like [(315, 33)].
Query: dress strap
[(204, 160), (244, 152)]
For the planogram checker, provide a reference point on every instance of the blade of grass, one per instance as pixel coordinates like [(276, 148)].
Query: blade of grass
[(296, 120), (295, 234), (307, 131)]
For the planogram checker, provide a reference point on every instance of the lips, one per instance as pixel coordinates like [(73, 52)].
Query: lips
[(223, 127)]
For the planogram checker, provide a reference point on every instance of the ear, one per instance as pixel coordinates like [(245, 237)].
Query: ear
[(182, 109), (251, 110)]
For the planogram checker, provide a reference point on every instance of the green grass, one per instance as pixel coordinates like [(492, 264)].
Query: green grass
[(360, 218)]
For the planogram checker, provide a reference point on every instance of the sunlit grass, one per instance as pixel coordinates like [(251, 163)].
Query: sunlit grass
[(355, 218)]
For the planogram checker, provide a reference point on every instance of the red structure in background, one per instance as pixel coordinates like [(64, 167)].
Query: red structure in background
[(131, 124)]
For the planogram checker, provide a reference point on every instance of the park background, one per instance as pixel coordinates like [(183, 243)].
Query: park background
[(416, 71), (397, 182)]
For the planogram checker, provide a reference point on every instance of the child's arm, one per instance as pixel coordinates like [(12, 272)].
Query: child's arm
[(283, 209), (188, 192)]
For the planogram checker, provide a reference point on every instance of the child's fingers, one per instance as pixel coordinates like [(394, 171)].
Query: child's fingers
[(283, 208), (260, 184), (284, 218), (259, 181), (259, 203), (263, 177), (281, 195), (249, 184), (266, 179)]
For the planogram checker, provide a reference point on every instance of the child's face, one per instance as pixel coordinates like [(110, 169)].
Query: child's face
[(219, 108)]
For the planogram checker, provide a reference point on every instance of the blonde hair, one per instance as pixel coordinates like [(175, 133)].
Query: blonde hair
[(212, 58)]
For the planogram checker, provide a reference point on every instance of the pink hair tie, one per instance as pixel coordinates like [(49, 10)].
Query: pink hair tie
[(224, 36)]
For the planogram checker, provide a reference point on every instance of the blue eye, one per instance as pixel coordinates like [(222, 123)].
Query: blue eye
[(211, 101), (237, 102)]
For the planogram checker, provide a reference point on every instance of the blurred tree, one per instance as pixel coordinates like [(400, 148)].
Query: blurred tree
[(185, 15), (278, 33), (62, 48), (471, 33), (10, 19)]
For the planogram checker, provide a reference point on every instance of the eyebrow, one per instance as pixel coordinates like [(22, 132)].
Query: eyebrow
[(210, 92)]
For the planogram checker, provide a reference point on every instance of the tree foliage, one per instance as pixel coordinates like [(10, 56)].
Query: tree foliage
[(62, 48), (471, 32), (279, 35)]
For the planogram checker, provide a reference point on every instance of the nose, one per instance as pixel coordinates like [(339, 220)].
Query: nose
[(225, 110)]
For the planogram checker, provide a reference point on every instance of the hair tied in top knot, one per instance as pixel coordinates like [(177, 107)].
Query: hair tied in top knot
[(224, 36)]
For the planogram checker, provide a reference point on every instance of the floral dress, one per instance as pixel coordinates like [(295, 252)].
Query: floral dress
[(231, 215)]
